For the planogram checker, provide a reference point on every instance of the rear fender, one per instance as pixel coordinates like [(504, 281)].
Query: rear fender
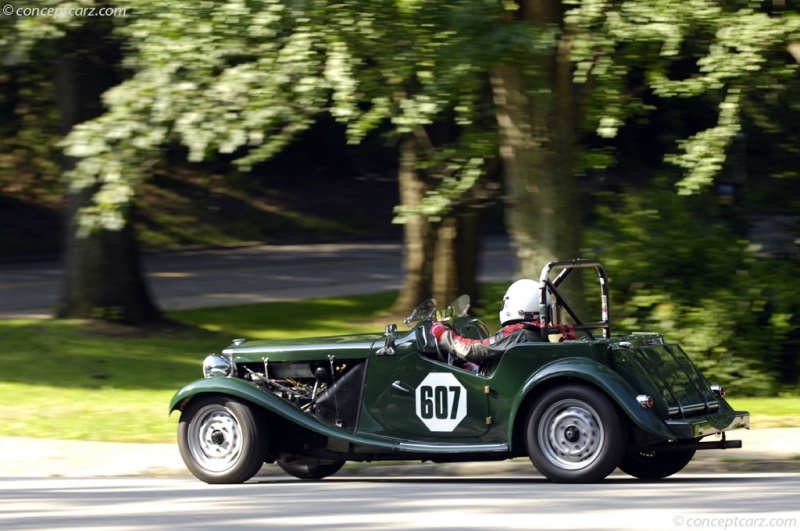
[(598, 375)]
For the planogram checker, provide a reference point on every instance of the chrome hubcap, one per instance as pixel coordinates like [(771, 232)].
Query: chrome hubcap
[(215, 438), (570, 434)]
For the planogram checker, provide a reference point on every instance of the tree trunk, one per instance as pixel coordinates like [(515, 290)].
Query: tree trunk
[(417, 233), (537, 139), (445, 269), (468, 250), (439, 257), (103, 277), (457, 250)]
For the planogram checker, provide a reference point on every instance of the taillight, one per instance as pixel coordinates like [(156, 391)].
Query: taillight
[(646, 401)]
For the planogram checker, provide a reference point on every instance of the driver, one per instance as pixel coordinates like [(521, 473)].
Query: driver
[(519, 317)]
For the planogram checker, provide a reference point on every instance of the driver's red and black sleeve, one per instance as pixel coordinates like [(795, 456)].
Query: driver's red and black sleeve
[(481, 350)]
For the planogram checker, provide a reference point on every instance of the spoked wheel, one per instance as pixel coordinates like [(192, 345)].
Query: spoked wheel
[(575, 435), (655, 464), (221, 440), (309, 468)]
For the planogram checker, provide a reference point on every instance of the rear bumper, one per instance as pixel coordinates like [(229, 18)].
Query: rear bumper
[(721, 444), (701, 426)]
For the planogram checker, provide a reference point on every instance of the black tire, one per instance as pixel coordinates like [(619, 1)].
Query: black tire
[(222, 440), (574, 434), (309, 468), (655, 465)]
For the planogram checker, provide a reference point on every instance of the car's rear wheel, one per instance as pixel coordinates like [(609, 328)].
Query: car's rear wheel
[(309, 468), (221, 440), (574, 434), (655, 464)]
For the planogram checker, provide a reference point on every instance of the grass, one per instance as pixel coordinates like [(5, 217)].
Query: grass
[(770, 412), (91, 381), (315, 318)]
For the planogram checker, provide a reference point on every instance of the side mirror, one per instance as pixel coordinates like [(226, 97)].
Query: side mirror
[(391, 335)]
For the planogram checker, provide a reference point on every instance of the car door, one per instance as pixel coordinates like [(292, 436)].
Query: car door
[(411, 396)]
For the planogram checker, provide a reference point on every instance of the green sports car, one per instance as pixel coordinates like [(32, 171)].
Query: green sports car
[(578, 407)]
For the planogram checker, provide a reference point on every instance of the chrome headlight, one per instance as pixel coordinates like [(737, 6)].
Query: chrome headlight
[(218, 365)]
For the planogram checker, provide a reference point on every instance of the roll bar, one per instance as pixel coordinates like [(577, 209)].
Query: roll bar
[(558, 303)]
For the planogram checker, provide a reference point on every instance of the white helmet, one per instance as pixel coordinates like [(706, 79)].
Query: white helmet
[(520, 302)]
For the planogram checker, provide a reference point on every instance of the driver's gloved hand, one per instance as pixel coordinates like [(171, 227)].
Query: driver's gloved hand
[(438, 330)]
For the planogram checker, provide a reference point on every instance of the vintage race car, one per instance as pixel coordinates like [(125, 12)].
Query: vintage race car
[(579, 407)]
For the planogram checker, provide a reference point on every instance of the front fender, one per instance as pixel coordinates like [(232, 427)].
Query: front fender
[(259, 397), (234, 387), (600, 376)]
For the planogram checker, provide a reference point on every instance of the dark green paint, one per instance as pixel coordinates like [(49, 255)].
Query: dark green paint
[(388, 421), (342, 347)]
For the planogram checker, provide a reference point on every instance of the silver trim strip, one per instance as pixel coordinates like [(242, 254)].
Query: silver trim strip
[(451, 447)]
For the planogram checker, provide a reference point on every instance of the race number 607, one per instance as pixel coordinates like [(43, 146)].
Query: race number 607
[(441, 401)]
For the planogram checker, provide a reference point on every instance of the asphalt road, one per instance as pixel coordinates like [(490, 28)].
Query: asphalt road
[(684, 502), (245, 275)]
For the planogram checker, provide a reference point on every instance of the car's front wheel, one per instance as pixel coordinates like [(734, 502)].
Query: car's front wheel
[(221, 440), (575, 435), (309, 468), (655, 464)]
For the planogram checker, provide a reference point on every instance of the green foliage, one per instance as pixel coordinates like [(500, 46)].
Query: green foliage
[(19, 36), (212, 77), (28, 130), (29, 119), (244, 78), (677, 268), (427, 80), (727, 53)]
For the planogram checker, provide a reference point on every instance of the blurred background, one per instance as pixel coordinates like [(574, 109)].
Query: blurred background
[(659, 137)]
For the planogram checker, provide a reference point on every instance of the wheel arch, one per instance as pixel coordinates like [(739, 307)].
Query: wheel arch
[(216, 386), (591, 374)]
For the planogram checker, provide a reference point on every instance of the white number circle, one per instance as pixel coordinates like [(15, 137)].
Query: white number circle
[(441, 401)]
